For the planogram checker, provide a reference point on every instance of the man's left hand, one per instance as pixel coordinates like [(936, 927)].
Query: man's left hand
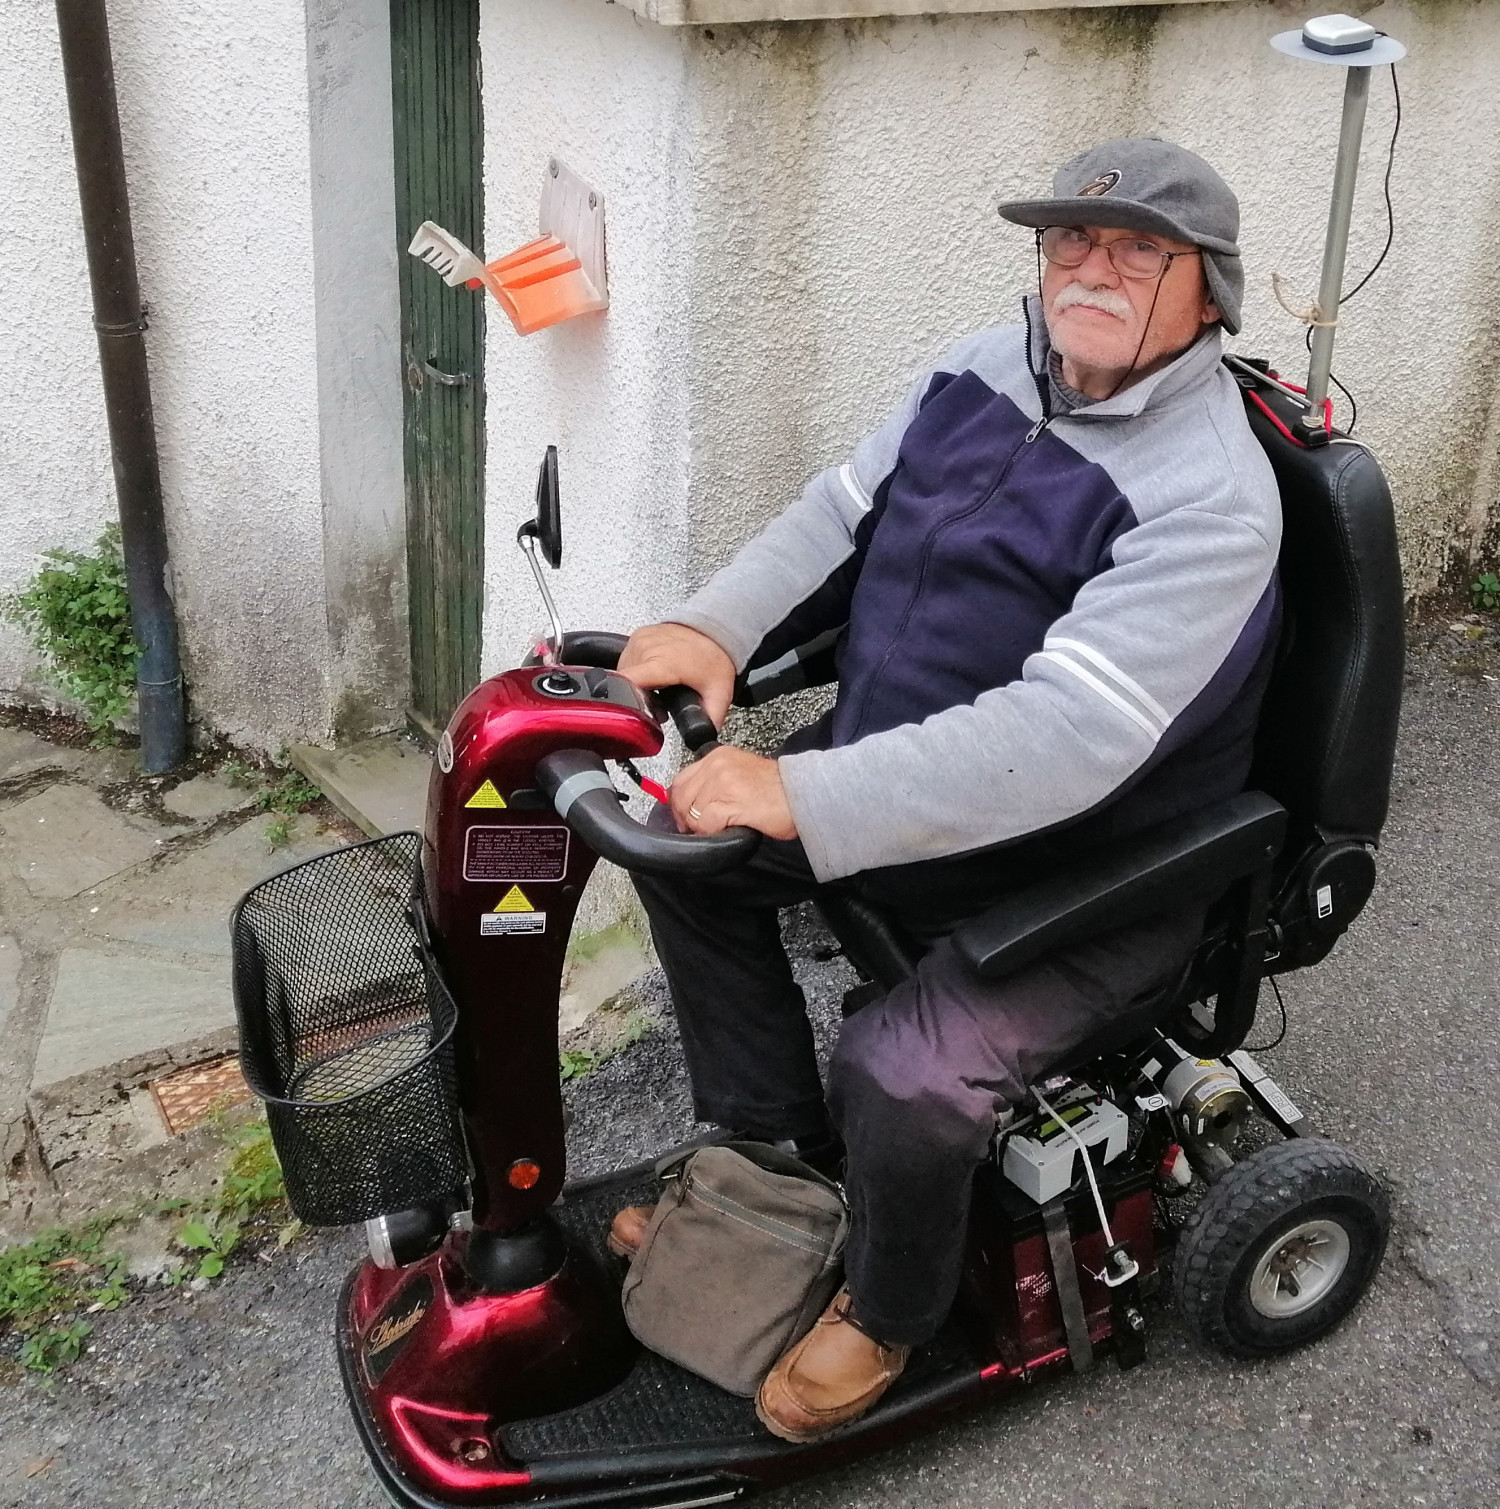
[(732, 787)]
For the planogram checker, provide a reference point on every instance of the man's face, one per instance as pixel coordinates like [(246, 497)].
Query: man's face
[(1096, 316)]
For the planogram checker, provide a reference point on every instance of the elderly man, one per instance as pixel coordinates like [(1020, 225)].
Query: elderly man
[(1054, 568)]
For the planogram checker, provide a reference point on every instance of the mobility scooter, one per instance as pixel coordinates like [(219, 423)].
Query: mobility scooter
[(398, 1008)]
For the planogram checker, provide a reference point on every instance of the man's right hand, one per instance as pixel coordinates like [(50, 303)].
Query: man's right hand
[(675, 655)]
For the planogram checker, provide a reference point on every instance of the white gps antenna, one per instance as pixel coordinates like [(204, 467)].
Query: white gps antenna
[(1354, 45)]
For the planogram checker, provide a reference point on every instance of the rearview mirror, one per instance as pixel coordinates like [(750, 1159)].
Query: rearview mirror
[(549, 510)]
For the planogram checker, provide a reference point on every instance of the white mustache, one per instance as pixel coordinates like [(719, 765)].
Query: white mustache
[(1110, 300)]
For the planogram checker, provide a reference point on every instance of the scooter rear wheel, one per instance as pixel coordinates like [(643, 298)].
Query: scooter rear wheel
[(1282, 1248)]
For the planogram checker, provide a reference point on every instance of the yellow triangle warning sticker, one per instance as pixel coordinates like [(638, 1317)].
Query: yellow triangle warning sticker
[(486, 796), (514, 900)]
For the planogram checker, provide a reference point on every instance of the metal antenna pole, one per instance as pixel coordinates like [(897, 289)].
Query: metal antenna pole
[(1336, 245)]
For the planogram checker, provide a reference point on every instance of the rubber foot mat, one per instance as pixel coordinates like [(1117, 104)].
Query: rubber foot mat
[(660, 1404)]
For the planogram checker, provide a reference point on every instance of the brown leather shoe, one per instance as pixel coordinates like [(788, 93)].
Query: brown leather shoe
[(628, 1229), (830, 1377)]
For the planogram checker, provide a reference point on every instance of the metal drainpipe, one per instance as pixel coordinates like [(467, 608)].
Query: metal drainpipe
[(120, 322)]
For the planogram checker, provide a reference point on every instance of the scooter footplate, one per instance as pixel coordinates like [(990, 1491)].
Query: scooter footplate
[(658, 1405)]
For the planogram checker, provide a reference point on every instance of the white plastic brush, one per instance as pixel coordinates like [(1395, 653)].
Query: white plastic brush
[(446, 255)]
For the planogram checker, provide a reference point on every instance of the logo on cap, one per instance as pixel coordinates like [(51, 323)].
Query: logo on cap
[(1100, 185)]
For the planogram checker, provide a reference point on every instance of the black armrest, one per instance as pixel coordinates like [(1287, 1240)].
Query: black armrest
[(1194, 858), (812, 664)]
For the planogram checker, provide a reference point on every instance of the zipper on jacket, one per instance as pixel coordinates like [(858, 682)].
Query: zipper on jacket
[(1044, 400)]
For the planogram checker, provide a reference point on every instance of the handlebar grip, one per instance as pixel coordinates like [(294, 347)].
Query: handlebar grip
[(578, 786), (695, 726), (596, 647)]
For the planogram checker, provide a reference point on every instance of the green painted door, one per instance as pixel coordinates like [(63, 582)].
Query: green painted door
[(439, 176)]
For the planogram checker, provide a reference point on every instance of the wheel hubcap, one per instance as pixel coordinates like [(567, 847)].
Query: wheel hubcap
[(1300, 1269)]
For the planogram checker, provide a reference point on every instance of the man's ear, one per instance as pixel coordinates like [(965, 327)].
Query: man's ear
[(1210, 312)]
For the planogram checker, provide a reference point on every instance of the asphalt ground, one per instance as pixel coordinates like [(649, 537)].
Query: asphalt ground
[(230, 1397)]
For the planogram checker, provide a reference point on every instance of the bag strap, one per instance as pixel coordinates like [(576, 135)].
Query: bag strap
[(761, 1154)]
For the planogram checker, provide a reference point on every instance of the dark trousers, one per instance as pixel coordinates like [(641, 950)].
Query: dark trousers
[(917, 1078)]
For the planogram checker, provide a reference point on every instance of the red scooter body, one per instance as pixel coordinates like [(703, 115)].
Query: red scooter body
[(503, 878), (443, 1373), (442, 1363)]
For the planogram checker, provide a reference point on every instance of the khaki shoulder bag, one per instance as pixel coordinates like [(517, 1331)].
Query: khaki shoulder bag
[(744, 1252)]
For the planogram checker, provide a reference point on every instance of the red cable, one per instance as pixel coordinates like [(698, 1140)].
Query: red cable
[(1265, 409), (1327, 402)]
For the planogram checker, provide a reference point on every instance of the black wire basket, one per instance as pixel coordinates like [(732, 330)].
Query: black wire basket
[(346, 1033)]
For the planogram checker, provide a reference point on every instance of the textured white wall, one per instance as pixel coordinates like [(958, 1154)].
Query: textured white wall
[(359, 362), (833, 258), (55, 484), (818, 200), (607, 93), (214, 114)]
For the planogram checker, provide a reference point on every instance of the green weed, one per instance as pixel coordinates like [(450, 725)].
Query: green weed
[(251, 1184), (1484, 592), (76, 612), (288, 795), (576, 1062), (239, 774), (284, 798), (47, 1285), (45, 1350)]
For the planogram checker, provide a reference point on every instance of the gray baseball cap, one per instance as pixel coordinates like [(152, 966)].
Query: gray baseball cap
[(1140, 183)]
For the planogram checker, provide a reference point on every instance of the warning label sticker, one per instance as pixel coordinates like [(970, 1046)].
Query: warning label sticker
[(514, 900), (497, 924), (486, 796), (1279, 1100), (521, 852)]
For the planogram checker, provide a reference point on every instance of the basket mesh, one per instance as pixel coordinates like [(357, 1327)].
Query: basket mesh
[(346, 1031)]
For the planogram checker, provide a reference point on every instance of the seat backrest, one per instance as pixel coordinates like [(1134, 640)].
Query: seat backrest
[(1327, 737)]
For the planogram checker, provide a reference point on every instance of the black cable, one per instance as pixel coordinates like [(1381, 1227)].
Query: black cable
[(1141, 346), (1353, 407), (1390, 213), (1333, 378), (1390, 236), (1275, 1041)]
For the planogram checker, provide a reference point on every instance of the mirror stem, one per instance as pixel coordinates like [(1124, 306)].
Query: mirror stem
[(526, 539)]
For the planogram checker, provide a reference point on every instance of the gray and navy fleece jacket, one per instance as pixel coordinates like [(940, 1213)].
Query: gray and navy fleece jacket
[(1060, 619)]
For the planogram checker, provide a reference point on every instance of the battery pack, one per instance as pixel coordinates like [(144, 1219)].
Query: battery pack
[(1041, 1159)]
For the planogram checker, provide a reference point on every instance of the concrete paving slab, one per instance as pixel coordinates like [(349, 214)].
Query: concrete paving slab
[(108, 766), (106, 1007), (205, 797), (184, 905), (10, 978), (23, 754), (379, 784), (10, 1089), (64, 840)]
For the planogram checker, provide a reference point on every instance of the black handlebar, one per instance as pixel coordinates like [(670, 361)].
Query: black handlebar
[(597, 648), (695, 726), (578, 786)]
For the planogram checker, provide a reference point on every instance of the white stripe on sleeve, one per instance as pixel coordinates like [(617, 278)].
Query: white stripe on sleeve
[(1113, 698), (1113, 671)]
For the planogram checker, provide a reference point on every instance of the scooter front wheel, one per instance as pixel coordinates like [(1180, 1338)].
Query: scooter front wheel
[(1282, 1248)]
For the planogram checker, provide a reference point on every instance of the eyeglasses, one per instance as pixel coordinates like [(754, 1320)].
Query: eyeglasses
[(1067, 246)]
